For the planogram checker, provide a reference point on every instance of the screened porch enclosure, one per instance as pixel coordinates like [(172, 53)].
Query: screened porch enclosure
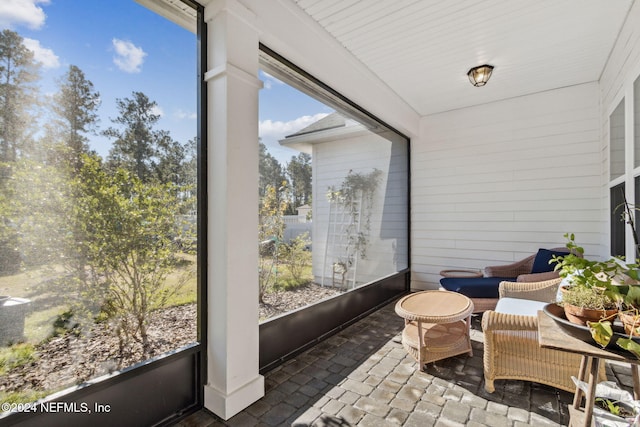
[(471, 176)]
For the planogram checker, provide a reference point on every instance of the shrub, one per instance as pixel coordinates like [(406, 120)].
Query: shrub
[(298, 256)]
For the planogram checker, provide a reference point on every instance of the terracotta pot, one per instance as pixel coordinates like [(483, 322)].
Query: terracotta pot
[(631, 322), (581, 315)]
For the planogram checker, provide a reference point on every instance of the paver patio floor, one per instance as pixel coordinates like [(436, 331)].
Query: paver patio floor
[(363, 377)]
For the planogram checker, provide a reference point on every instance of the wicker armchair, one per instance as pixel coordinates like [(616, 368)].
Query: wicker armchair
[(522, 270), (511, 349), (484, 291)]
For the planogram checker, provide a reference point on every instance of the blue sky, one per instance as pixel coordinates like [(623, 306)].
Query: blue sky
[(123, 47), (283, 111)]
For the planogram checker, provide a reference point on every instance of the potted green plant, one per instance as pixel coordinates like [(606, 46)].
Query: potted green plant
[(591, 295), (629, 301), (626, 292), (598, 284), (584, 304)]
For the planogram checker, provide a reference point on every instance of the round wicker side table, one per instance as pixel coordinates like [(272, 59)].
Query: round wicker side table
[(436, 325)]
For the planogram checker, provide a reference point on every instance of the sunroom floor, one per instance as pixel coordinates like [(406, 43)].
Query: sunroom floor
[(363, 377)]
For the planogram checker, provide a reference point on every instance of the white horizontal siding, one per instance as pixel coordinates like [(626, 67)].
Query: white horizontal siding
[(623, 62), (387, 251), (492, 184), (616, 86)]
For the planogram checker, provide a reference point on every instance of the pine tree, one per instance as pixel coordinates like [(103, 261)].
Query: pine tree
[(172, 157), (18, 72), (299, 171), (75, 107), (271, 171), (136, 145)]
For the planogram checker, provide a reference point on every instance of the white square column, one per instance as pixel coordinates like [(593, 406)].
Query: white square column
[(233, 379)]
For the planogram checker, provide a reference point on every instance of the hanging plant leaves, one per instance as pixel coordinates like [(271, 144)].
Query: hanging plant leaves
[(629, 345), (601, 332), (633, 296)]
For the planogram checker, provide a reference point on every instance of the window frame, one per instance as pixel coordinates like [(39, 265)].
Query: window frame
[(286, 336), (168, 386)]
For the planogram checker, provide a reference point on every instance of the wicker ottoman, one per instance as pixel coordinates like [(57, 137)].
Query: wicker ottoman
[(436, 325)]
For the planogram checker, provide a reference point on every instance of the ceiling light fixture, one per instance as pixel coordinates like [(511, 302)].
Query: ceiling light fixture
[(479, 76)]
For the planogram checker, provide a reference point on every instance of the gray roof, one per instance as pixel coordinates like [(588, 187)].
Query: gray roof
[(332, 121)]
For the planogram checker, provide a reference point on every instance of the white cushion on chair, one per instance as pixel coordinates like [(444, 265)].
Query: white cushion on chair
[(524, 307)]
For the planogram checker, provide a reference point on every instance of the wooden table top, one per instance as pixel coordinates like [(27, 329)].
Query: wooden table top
[(550, 335), (434, 306)]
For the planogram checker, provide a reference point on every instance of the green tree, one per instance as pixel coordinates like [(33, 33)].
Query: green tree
[(190, 177), (136, 144), (41, 209), (191, 162), (299, 172), (171, 160), (35, 212), (18, 94), (9, 253), (75, 108), (177, 164), (270, 170), (270, 234), (130, 227), (18, 74)]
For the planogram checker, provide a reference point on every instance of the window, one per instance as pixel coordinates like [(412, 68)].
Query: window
[(636, 144), (616, 198), (334, 193), (98, 192), (623, 208), (636, 121), (616, 141), (616, 174)]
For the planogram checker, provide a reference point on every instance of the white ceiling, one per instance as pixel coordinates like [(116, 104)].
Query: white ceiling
[(422, 49), (173, 10)]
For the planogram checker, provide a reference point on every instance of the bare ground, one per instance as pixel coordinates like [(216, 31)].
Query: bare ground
[(276, 303), (69, 360)]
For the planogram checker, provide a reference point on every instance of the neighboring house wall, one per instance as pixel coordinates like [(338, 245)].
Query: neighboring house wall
[(361, 153), (491, 184)]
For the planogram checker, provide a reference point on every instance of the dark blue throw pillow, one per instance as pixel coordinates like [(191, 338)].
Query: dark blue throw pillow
[(541, 261)]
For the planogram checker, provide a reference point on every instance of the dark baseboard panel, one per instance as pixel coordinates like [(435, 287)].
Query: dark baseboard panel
[(286, 336), (152, 393)]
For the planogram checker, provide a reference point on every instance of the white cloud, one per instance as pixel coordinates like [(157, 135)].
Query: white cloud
[(271, 132), (182, 115), (129, 57), (268, 80), (157, 110), (42, 54), (22, 12), (276, 130)]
